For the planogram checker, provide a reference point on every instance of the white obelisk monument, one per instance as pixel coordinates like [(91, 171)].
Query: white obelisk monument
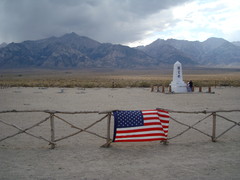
[(177, 84)]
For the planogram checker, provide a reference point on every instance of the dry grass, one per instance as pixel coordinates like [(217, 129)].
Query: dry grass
[(115, 78)]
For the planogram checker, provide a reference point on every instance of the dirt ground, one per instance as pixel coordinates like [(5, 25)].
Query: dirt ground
[(190, 156)]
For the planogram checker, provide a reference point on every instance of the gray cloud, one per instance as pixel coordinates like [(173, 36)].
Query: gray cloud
[(115, 21)]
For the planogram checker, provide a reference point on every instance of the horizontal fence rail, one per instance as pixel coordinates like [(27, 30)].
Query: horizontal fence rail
[(168, 89), (52, 116), (213, 114)]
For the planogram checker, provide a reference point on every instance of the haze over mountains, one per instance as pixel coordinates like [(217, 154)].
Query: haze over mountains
[(74, 51)]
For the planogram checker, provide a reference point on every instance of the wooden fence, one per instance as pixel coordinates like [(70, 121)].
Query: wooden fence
[(52, 116), (163, 89)]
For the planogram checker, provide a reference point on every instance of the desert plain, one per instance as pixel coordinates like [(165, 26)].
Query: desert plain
[(189, 156)]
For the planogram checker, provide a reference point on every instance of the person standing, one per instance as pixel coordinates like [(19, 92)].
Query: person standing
[(191, 86)]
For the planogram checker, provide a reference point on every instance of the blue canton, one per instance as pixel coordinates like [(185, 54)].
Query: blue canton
[(125, 119)]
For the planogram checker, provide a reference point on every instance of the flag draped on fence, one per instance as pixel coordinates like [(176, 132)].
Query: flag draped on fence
[(147, 125)]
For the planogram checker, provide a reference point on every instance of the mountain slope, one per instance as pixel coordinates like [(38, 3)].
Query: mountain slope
[(236, 43), (121, 56), (166, 53), (213, 51), (71, 51), (225, 54)]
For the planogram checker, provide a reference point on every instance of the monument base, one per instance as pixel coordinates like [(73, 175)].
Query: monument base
[(179, 88)]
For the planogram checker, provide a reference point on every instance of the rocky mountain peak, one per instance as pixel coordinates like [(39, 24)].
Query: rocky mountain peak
[(3, 45), (213, 42)]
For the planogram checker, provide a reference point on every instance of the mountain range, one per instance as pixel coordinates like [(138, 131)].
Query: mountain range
[(212, 52), (74, 51)]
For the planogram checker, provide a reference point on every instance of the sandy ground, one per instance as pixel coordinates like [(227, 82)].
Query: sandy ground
[(190, 156)]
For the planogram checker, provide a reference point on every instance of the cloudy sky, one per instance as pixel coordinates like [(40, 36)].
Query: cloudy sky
[(128, 22)]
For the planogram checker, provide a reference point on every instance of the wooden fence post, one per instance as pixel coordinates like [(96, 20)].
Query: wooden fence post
[(209, 89), (109, 126), (214, 127), (163, 89), (108, 140), (152, 89), (52, 130), (170, 89)]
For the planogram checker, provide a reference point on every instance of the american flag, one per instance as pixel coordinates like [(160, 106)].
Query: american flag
[(146, 125)]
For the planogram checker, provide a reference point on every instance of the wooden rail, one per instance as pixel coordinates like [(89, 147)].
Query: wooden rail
[(163, 89), (52, 116), (213, 114)]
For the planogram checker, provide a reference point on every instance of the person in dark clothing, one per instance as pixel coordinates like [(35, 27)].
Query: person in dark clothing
[(191, 85)]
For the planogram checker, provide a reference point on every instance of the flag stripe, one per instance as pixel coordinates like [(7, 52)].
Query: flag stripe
[(139, 130), (152, 123), (141, 135), (141, 139), (145, 137), (144, 132), (155, 121), (156, 113)]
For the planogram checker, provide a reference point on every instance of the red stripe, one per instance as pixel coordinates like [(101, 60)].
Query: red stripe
[(158, 117), (155, 123), (141, 135), (155, 113), (164, 121), (152, 123), (160, 120), (139, 130), (150, 118), (141, 140), (163, 115), (150, 113)]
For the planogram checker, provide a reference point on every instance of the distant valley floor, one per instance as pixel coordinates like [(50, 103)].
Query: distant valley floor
[(116, 77)]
